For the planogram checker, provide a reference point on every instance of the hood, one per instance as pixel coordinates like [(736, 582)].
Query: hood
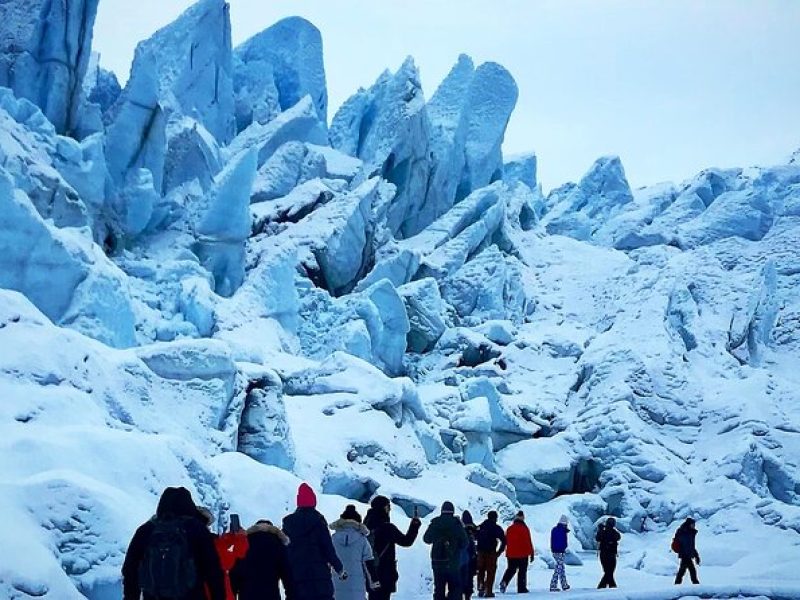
[(270, 529), (375, 517), (344, 524), (176, 502)]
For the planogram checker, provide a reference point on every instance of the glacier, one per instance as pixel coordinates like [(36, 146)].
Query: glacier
[(205, 282)]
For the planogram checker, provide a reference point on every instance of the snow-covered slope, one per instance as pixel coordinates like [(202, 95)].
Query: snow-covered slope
[(214, 287)]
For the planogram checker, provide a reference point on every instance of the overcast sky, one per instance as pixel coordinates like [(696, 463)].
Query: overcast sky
[(672, 86)]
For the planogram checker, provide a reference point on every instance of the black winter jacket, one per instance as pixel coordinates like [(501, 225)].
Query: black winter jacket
[(266, 564), (385, 539), (489, 533), (311, 555), (608, 540), (448, 539), (686, 540)]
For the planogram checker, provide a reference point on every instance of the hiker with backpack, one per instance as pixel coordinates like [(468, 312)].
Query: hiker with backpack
[(488, 535), (311, 551), (265, 565), (448, 539), (384, 537), (519, 552), (607, 544), (683, 544), (559, 541), (469, 558), (172, 556), (353, 548)]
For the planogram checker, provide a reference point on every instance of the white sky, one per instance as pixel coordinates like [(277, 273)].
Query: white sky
[(671, 86)]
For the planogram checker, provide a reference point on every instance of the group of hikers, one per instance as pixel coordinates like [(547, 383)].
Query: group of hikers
[(175, 556)]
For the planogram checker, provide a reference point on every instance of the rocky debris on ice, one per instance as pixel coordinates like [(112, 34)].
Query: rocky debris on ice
[(44, 53), (275, 69)]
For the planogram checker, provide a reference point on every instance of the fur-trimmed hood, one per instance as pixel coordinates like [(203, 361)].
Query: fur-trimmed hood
[(271, 529), (342, 524)]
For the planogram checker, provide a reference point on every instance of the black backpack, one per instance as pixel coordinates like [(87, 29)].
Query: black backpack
[(444, 551), (168, 569)]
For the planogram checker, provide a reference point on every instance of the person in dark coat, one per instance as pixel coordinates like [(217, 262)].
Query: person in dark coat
[(488, 536), (687, 551), (265, 565), (385, 538), (607, 544), (177, 512), (519, 552), (469, 561), (448, 539), (311, 551)]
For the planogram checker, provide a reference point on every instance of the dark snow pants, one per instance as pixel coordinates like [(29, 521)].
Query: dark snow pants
[(446, 584), (518, 566), (687, 564), (609, 563)]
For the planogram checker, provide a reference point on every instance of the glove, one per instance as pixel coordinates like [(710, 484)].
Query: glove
[(375, 585), (531, 558), (343, 576), (416, 521), (697, 560)]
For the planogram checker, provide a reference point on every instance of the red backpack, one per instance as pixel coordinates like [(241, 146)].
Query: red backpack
[(676, 545)]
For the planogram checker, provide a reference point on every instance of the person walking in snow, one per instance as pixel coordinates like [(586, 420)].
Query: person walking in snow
[(558, 547), (258, 575), (469, 559), (447, 539), (231, 546), (684, 544), (172, 556), (487, 538), (607, 543), (311, 552), (385, 537), (519, 552), (353, 548)]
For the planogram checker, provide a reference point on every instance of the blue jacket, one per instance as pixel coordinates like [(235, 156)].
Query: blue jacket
[(558, 538)]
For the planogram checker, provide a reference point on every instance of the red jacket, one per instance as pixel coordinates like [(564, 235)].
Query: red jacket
[(518, 538), (230, 548)]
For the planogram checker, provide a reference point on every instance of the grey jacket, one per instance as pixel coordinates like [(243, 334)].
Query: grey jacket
[(352, 547)]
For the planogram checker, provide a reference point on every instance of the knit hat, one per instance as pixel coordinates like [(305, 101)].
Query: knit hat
[(306, 498), (611, 522), (563, 520), (492, 516), (380, 502), (466, 518), (351, 514), (448, 508)]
